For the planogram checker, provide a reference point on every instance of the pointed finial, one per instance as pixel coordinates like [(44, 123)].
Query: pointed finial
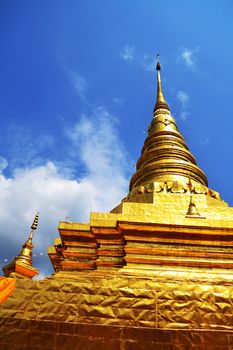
[(158, 67), (33, 228), (35, 222), (26, 251), (161, 102)]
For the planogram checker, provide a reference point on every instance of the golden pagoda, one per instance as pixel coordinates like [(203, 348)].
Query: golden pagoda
[(154, 273)]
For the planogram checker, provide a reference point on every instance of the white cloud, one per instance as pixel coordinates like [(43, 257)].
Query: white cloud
[(204, 141), (118, 101), (98, 145), (3, 164), (49, 190), (184, 115), (128, 53), (145, 60), (149, 62), (25, 146), (183, 97), (79, 83), (188, 56)]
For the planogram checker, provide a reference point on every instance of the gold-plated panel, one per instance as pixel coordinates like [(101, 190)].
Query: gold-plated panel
[(189, 307)]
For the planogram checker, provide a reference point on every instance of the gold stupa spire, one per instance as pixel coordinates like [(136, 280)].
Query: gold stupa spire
[(160, 102), (21, 265), (165, 156), (26, 251)]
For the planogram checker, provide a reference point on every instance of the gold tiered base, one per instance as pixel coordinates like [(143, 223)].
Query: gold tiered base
[(167, 308)]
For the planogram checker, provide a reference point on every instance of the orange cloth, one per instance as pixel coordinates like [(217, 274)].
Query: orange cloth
[(7, 286)]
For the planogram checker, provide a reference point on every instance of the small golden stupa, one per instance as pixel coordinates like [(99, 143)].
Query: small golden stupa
[(154, 273)]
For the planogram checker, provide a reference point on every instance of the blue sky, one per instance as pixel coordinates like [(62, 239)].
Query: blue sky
[(77, 90)]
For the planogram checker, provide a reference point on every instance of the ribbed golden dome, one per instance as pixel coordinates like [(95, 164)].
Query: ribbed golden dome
[(165, 155)]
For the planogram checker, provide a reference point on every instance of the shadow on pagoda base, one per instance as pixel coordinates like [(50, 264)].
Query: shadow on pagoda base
[(98, 337)]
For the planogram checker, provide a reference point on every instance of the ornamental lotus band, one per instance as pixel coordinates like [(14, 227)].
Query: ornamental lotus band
[(154, 273)]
